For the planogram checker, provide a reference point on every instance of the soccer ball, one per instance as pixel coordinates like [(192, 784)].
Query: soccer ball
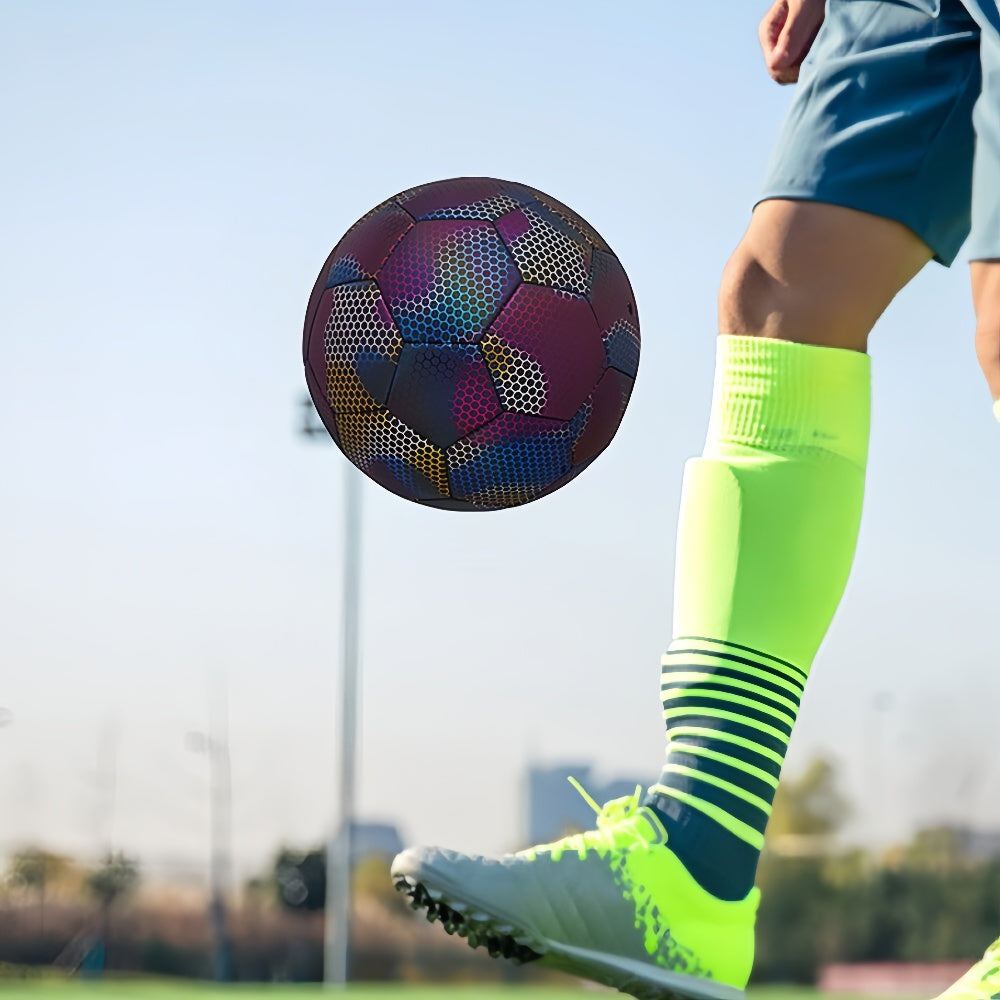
[(471, 344)]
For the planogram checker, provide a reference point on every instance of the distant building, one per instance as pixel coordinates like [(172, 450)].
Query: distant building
[(554, 807), (374, 839)]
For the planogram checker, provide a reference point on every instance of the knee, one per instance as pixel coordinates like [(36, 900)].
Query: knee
[(752, 303)]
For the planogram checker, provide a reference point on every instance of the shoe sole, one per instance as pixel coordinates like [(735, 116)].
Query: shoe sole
[(503, 939)]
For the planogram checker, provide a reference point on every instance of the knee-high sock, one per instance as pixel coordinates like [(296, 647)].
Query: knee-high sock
[(768, 527)]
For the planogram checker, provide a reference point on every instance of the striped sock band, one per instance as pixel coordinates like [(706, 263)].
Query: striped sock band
[(729, 712)]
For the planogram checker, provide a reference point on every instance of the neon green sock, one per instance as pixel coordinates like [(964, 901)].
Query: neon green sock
[(768, 527)]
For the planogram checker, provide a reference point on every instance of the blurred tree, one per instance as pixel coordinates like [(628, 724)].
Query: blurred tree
[(936, 849), (35, 870), (371, 880), (116, 876), (809, 806)]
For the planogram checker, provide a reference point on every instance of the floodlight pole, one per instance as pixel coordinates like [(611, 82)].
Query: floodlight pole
[(339, 845)]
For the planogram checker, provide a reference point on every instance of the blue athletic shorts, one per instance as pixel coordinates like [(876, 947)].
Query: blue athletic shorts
[(897, 113)]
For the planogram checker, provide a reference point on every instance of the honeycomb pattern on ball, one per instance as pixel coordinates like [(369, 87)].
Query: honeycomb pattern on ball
[(510, 461), (519, 378), (549, 252), (446, 279), (360, 345), (407, 463), (443, 391), (476, 400), (488, 208), (465, 198), (621, 345), (558, 333), (584, 228)]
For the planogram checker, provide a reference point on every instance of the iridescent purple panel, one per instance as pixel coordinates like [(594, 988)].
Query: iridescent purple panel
[(545, 352), (443, 393), (616, 312), (360, 254), (462, 198), (510, 461), (604, 412), (446, 281)]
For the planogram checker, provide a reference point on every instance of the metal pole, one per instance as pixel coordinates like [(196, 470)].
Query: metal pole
[(220, 819), (338, 854)]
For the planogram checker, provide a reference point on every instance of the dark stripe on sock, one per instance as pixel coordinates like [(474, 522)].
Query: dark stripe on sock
[(758, 696), (751, 757), (690, 666), (733, 658), (779, 747), (706, 700), (746, 649), (736, 807), (719, 769)]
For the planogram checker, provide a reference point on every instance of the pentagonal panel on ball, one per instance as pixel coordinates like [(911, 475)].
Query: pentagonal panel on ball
[(394, 455), (446, 280), (352, 347), (546, 248), (443, 392), (616, 311), (544, 352), (510, 461)]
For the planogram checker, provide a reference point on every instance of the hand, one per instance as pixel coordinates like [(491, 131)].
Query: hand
[(786, 35)]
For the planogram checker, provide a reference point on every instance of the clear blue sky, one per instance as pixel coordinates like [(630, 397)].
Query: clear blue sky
[(173, 177)]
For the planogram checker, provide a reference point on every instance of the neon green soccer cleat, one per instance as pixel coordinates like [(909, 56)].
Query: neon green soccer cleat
[(613, 905), (981, 982)]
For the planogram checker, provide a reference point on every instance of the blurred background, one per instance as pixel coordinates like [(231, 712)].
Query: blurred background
[(173, 178)]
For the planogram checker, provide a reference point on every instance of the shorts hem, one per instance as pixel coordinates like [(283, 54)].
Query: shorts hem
[(943, 251)]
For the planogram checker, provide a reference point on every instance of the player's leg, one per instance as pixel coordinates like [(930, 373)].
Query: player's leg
[(769, 518), (986, 299), (984, 241), (867, 184), (815, 273)]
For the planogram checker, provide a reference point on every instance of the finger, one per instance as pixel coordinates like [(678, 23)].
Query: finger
[(771, 26), (796, 37)]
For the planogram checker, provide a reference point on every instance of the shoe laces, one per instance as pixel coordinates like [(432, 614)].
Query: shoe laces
[(609, 834)]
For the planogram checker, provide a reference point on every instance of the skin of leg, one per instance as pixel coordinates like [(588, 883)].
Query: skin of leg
[(816, 273), (986, 299)]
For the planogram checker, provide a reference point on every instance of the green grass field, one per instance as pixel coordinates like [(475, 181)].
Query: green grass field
[(43, 989)]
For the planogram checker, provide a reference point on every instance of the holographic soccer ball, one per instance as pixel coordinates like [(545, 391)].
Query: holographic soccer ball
[(471, 344)]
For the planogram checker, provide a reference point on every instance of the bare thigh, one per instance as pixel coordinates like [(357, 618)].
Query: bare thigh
[(816, 273), (986, 298)]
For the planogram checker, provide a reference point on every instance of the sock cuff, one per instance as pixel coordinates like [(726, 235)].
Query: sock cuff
[(786, 397)]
